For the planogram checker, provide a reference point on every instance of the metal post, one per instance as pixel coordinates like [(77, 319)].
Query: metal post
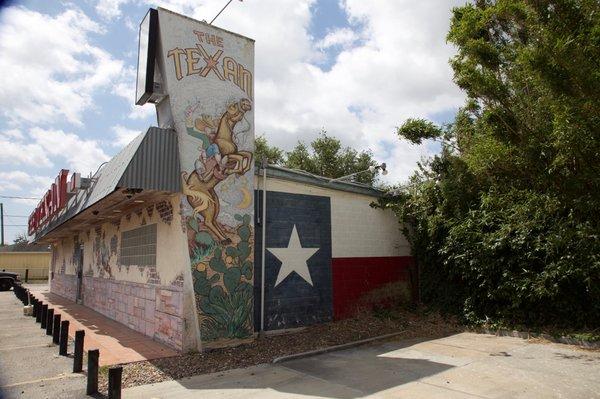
[(1, 224), (56, 329), (49, 321), (38, 313), (92, 372), (26, 275), (78, 357), (64, 337), (44, 315), (114, 382), (264, 244)]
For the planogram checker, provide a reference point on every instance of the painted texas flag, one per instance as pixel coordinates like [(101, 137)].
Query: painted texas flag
[(298, 288)]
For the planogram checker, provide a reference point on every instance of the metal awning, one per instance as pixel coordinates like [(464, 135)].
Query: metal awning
[(146, 169)]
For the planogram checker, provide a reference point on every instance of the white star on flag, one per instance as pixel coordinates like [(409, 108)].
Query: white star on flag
[(293, 259)]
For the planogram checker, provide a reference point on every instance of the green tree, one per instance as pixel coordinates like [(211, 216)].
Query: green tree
[(325, 157), (20, 239), (299, 158), (503, 221), (263, 150), (328, 158)]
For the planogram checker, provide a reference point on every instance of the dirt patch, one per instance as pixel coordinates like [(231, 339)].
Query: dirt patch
[(265, 349)]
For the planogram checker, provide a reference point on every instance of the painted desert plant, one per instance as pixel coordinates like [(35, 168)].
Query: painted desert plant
[(224, 287)]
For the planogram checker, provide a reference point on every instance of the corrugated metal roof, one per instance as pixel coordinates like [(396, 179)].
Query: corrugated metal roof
[(155, 164), (149, 162)]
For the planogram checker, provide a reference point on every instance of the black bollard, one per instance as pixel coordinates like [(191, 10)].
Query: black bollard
[(35, 307), (114, 382), (64, 337), (49, 321), (92, 372), (38, 313), (44, 315), (56, 329), (78, 357)]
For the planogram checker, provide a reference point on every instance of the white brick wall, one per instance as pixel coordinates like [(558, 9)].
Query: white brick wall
[(357, 230)]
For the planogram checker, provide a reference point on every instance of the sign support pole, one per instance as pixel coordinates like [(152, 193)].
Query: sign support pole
[(2, 224)]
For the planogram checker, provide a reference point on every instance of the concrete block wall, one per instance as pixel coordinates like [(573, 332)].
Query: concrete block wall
[(155, 311), (354, 278), (368, 249), (64, 285), (294, 301), (357, 229)]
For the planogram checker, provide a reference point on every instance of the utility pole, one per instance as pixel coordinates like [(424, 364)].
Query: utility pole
[(2, 224)]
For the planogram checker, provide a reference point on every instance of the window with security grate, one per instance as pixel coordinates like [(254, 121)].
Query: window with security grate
[(138, 246)]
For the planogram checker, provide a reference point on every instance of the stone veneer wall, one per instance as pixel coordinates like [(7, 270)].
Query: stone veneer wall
[(64, 285), (149, 309)]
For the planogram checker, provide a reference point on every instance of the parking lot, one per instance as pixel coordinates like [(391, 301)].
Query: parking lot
[(464, 365), (30, 366)]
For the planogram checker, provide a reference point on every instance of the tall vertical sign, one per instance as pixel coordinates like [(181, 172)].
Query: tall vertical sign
[(207, 77)]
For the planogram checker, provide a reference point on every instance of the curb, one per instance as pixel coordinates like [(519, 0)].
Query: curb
[(527, 335), (334, 348)]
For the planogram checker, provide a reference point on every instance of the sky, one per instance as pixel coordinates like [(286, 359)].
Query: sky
[(356, 68)]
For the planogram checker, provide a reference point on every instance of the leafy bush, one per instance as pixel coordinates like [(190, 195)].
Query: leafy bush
[(504, 222)]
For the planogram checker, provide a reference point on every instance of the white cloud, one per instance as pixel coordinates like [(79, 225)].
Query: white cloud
[(16, 150), (339, 37), (24, 179), (79, 154), (11, 134), (123, 135), (398, 69), (391, 64), (110, 9), (50, 69), (125, 88), (20, 183), (43, 148)]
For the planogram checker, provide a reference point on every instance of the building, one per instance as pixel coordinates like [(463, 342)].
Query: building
[(30, 261), (167, 237)]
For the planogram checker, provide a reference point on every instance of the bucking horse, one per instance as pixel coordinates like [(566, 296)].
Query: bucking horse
[(201, 194)]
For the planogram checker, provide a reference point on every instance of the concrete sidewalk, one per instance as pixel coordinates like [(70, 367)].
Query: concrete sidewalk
[(30, 366), (460, 366), (117, 343)]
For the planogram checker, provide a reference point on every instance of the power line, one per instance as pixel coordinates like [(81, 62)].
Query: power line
[(17, 216), (16, 225), (15, 197)]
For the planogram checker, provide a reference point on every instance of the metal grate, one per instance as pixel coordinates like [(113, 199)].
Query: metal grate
[(138, 246)]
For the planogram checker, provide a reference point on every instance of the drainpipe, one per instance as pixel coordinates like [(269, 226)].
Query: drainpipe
[(264, 237)]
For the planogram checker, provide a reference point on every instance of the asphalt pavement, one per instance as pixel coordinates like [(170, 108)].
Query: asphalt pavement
[(30, 366), (464, 365)]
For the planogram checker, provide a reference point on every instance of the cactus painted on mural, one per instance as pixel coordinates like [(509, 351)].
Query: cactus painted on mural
[(223, 283)]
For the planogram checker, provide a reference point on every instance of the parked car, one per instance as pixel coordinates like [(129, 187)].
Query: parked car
[(8, 280)]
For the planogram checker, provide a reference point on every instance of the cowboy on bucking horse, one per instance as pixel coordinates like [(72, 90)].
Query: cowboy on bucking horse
[(199, 187)]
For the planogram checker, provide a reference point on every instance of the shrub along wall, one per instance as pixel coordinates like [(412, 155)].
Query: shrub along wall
[(504, 222)]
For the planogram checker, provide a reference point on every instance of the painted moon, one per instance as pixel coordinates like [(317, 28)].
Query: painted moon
[(246, 199)]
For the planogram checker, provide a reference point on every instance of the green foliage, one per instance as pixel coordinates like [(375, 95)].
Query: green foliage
[(225, 299), (416, 130), (326, 157), (262, 150), (503, 222), (20, 240)]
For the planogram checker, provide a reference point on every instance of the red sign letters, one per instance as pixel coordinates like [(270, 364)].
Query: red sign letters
[(52, 202)]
